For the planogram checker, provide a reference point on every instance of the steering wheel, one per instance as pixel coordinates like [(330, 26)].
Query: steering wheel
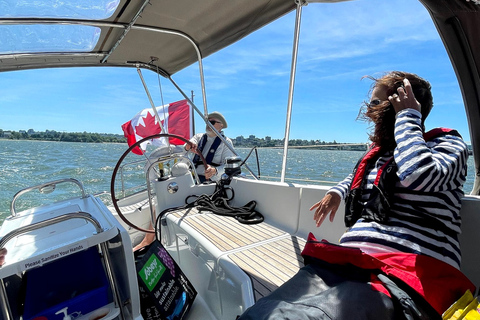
[(119, 162)]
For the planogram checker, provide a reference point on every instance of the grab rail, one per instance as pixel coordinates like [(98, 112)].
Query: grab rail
[(41, 224), (7, 313), (44, 188), (122, 179)]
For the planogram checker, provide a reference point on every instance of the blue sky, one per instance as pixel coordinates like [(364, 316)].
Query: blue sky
[(248, 82)]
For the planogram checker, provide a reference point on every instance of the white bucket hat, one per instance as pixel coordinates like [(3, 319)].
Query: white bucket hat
[(217, 115)]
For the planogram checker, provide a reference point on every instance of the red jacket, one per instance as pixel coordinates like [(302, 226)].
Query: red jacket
[(438, 282)]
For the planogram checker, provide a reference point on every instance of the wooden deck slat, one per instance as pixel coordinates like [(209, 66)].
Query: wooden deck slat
[(290, 261), (226, 233), (269, 267), (183, 213), (218, 236), (246, 231), (259, 288), (252, 263), (257, 230), (260, 282), (292, 251), (248, 234), (264, 257)]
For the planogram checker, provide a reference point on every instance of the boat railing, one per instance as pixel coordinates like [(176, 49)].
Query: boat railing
[(38, 225), (44, 188), (44, 223), (138, 187)]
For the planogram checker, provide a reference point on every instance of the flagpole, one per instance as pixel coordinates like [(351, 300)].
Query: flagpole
[(193, 115), (156, 115), (151, 103)]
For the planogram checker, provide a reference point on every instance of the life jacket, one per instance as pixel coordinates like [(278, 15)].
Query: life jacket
[(439, 283), (377, 207), (211, 153)]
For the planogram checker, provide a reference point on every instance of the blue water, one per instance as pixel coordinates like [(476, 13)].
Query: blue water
[(28, 163)]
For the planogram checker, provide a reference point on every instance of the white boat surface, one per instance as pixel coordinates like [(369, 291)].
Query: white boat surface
[(231, 265)]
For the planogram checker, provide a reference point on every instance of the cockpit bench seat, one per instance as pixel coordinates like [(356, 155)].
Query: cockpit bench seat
[(271, 264), (267, 255)]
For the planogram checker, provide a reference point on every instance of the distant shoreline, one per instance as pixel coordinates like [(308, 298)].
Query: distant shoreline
[(261, 145), (346, 146)]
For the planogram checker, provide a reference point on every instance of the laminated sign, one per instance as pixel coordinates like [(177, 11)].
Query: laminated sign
[(165, 292)]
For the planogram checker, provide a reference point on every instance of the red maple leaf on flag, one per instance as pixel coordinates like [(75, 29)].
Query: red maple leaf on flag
[(150, 127)]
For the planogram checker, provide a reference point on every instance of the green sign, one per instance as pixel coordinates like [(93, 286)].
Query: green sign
[(152, 272)]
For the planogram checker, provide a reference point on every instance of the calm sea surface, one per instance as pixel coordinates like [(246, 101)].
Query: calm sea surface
[(28, 163)]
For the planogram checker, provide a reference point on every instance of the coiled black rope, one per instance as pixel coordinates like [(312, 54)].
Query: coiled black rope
[(217, 203)]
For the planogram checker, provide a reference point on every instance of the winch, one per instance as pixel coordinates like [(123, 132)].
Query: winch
[(233, 166)]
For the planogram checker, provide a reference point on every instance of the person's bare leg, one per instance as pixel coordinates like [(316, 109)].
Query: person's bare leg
[(3, 252), (147, 239)]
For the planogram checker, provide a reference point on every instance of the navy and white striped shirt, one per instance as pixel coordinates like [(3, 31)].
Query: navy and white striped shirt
[(431, 176)]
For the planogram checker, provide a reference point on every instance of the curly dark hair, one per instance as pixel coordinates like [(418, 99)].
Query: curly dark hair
[(382, 116)]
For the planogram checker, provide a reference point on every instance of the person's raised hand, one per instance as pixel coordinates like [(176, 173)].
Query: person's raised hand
[(404, 98)]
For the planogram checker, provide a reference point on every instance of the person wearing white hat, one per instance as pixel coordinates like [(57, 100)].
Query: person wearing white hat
[(213, 149)]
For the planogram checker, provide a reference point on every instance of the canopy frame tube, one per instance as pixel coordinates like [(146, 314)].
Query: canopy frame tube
[(293, 70)]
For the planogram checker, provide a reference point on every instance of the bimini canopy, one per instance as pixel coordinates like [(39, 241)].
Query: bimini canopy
[(172, 34), (169, 34)]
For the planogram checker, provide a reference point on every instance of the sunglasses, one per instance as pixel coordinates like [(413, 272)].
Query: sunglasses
[(214, 122), (373, 103)]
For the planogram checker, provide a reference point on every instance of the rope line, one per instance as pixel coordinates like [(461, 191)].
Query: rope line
[(217, 203)]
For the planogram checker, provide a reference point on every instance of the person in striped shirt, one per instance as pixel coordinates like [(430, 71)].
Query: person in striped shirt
[(400, 256), (425, 195)]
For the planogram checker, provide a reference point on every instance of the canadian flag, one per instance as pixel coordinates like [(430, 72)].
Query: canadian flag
[(175, 118)]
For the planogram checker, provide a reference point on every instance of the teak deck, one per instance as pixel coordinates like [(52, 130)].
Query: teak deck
[(268, 255)]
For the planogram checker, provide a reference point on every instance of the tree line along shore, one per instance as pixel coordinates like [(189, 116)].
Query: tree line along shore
[(240, 141)]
